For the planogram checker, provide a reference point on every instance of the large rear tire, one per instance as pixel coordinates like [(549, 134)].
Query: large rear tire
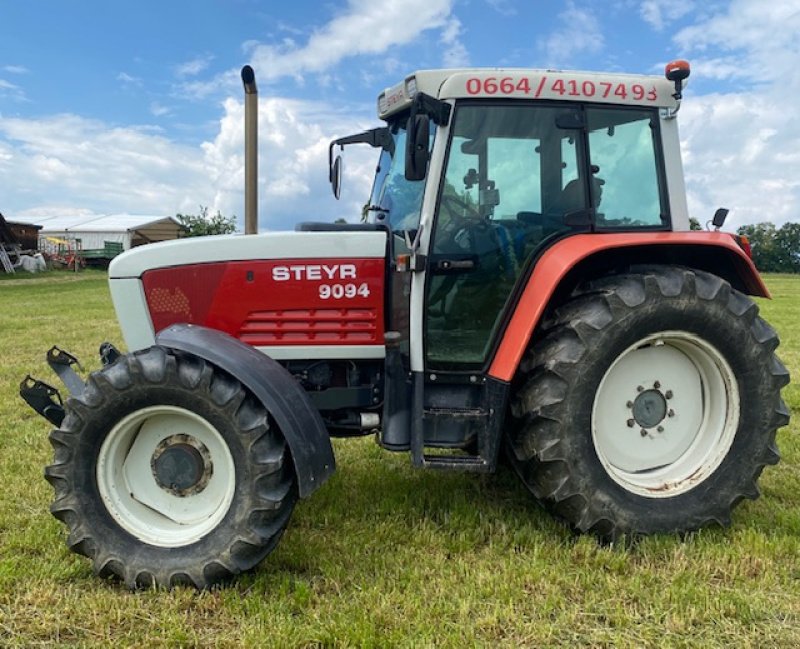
[(167, 471), (649, 403)]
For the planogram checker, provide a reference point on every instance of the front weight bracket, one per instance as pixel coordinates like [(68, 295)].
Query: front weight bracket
[(43, 398), (61, 363)]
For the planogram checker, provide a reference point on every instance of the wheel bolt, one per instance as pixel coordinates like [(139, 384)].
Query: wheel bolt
[(668, 394), (643, 432), (657, 385), (671, 413), (629, 404), (640, 388), (631, 423), (660, 429)]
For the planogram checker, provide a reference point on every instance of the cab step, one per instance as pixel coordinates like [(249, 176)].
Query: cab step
[(468, 463), (456, 422)]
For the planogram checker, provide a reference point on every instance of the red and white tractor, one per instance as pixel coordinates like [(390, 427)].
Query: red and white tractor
[(524, 282)]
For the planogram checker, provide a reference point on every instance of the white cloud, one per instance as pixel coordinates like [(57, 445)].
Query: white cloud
[(293, 173), (226, 83), (194, 66), (159, 110), (128, 79), (11, 91), (758, 39), (579, 33), (86, 164), (68, 164), (365, 27), (15, 69), (741, 147), (503, 7), (659, 13), (455, 53)]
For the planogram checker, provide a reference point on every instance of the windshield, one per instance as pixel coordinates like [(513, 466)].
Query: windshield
[(395, 200)]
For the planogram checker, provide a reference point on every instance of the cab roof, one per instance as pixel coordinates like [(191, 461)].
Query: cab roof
[(522, 83)]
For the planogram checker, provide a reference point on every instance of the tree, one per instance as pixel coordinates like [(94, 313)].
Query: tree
[(694, 224), (787, 245), (775, 250), (200, 225)]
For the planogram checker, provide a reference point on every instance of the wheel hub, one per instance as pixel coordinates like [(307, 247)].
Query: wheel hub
[(665, 414), (181, 465), (649, 408)]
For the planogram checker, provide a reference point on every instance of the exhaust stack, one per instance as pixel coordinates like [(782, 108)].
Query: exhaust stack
[(250, 150)]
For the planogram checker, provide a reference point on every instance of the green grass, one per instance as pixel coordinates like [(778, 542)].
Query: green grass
[(384, 555)]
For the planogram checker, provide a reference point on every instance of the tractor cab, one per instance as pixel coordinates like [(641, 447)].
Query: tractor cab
[(481, 172)]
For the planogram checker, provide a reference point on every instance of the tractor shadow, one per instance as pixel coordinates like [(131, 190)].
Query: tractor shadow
[(377, 513)]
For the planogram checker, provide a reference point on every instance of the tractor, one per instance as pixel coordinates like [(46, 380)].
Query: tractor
[(524, 286)]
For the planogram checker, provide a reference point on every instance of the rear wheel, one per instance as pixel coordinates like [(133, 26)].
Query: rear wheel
[(167, 471), (649, 404)]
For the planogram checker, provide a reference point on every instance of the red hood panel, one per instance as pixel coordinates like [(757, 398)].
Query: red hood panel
[(274, 302)]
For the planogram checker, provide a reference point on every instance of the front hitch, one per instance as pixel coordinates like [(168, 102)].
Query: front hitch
[(44, 398), (61, 363)]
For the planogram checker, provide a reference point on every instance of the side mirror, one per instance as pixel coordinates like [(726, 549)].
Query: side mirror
[(719, 218), (417, 147), (335, 176)]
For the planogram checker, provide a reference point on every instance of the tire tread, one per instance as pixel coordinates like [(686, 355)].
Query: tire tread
[(540, 411), (269, 465)]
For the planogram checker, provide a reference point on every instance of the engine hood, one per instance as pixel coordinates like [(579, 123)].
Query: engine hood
[(238, 247)]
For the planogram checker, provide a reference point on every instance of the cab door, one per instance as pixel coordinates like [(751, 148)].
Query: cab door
[(512, 183)]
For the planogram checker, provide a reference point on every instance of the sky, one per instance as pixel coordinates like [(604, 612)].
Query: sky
[(112, 107)]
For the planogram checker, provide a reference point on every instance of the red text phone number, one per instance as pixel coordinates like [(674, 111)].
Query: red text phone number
[(570, 88)]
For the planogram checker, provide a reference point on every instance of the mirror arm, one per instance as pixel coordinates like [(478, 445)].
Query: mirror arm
[(375, 137), (437, 110)]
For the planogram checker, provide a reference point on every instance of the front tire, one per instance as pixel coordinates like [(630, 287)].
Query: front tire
[(649, 403), (167, 471)]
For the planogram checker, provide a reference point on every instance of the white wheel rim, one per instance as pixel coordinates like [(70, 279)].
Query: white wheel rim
[(665, 414), (142, 504)]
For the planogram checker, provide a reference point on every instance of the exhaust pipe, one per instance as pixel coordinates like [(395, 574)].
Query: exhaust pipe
[(250, 150)]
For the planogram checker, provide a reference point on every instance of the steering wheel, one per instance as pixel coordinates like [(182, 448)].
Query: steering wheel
[(460, 226), (460, 208)]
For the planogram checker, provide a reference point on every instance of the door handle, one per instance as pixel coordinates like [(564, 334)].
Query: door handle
[(455, 264)]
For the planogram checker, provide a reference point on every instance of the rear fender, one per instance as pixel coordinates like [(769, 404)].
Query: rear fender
[(571, 260), (278, 391)]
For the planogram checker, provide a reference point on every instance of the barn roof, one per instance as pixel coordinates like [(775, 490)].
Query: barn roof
[(101, 222)]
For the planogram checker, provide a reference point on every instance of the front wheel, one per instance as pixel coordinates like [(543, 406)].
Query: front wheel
[(649, 403), (167, 471)]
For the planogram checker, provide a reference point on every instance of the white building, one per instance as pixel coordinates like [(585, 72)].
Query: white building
[(128, 229)]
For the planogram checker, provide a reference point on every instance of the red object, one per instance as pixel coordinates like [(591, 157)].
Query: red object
[(274, 302), (744, 242), (556, 262), (678, 69)]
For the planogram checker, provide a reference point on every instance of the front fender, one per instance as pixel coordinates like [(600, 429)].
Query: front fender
[(274, 387)]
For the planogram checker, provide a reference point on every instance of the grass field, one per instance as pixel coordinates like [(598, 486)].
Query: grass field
[(384, 555)]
